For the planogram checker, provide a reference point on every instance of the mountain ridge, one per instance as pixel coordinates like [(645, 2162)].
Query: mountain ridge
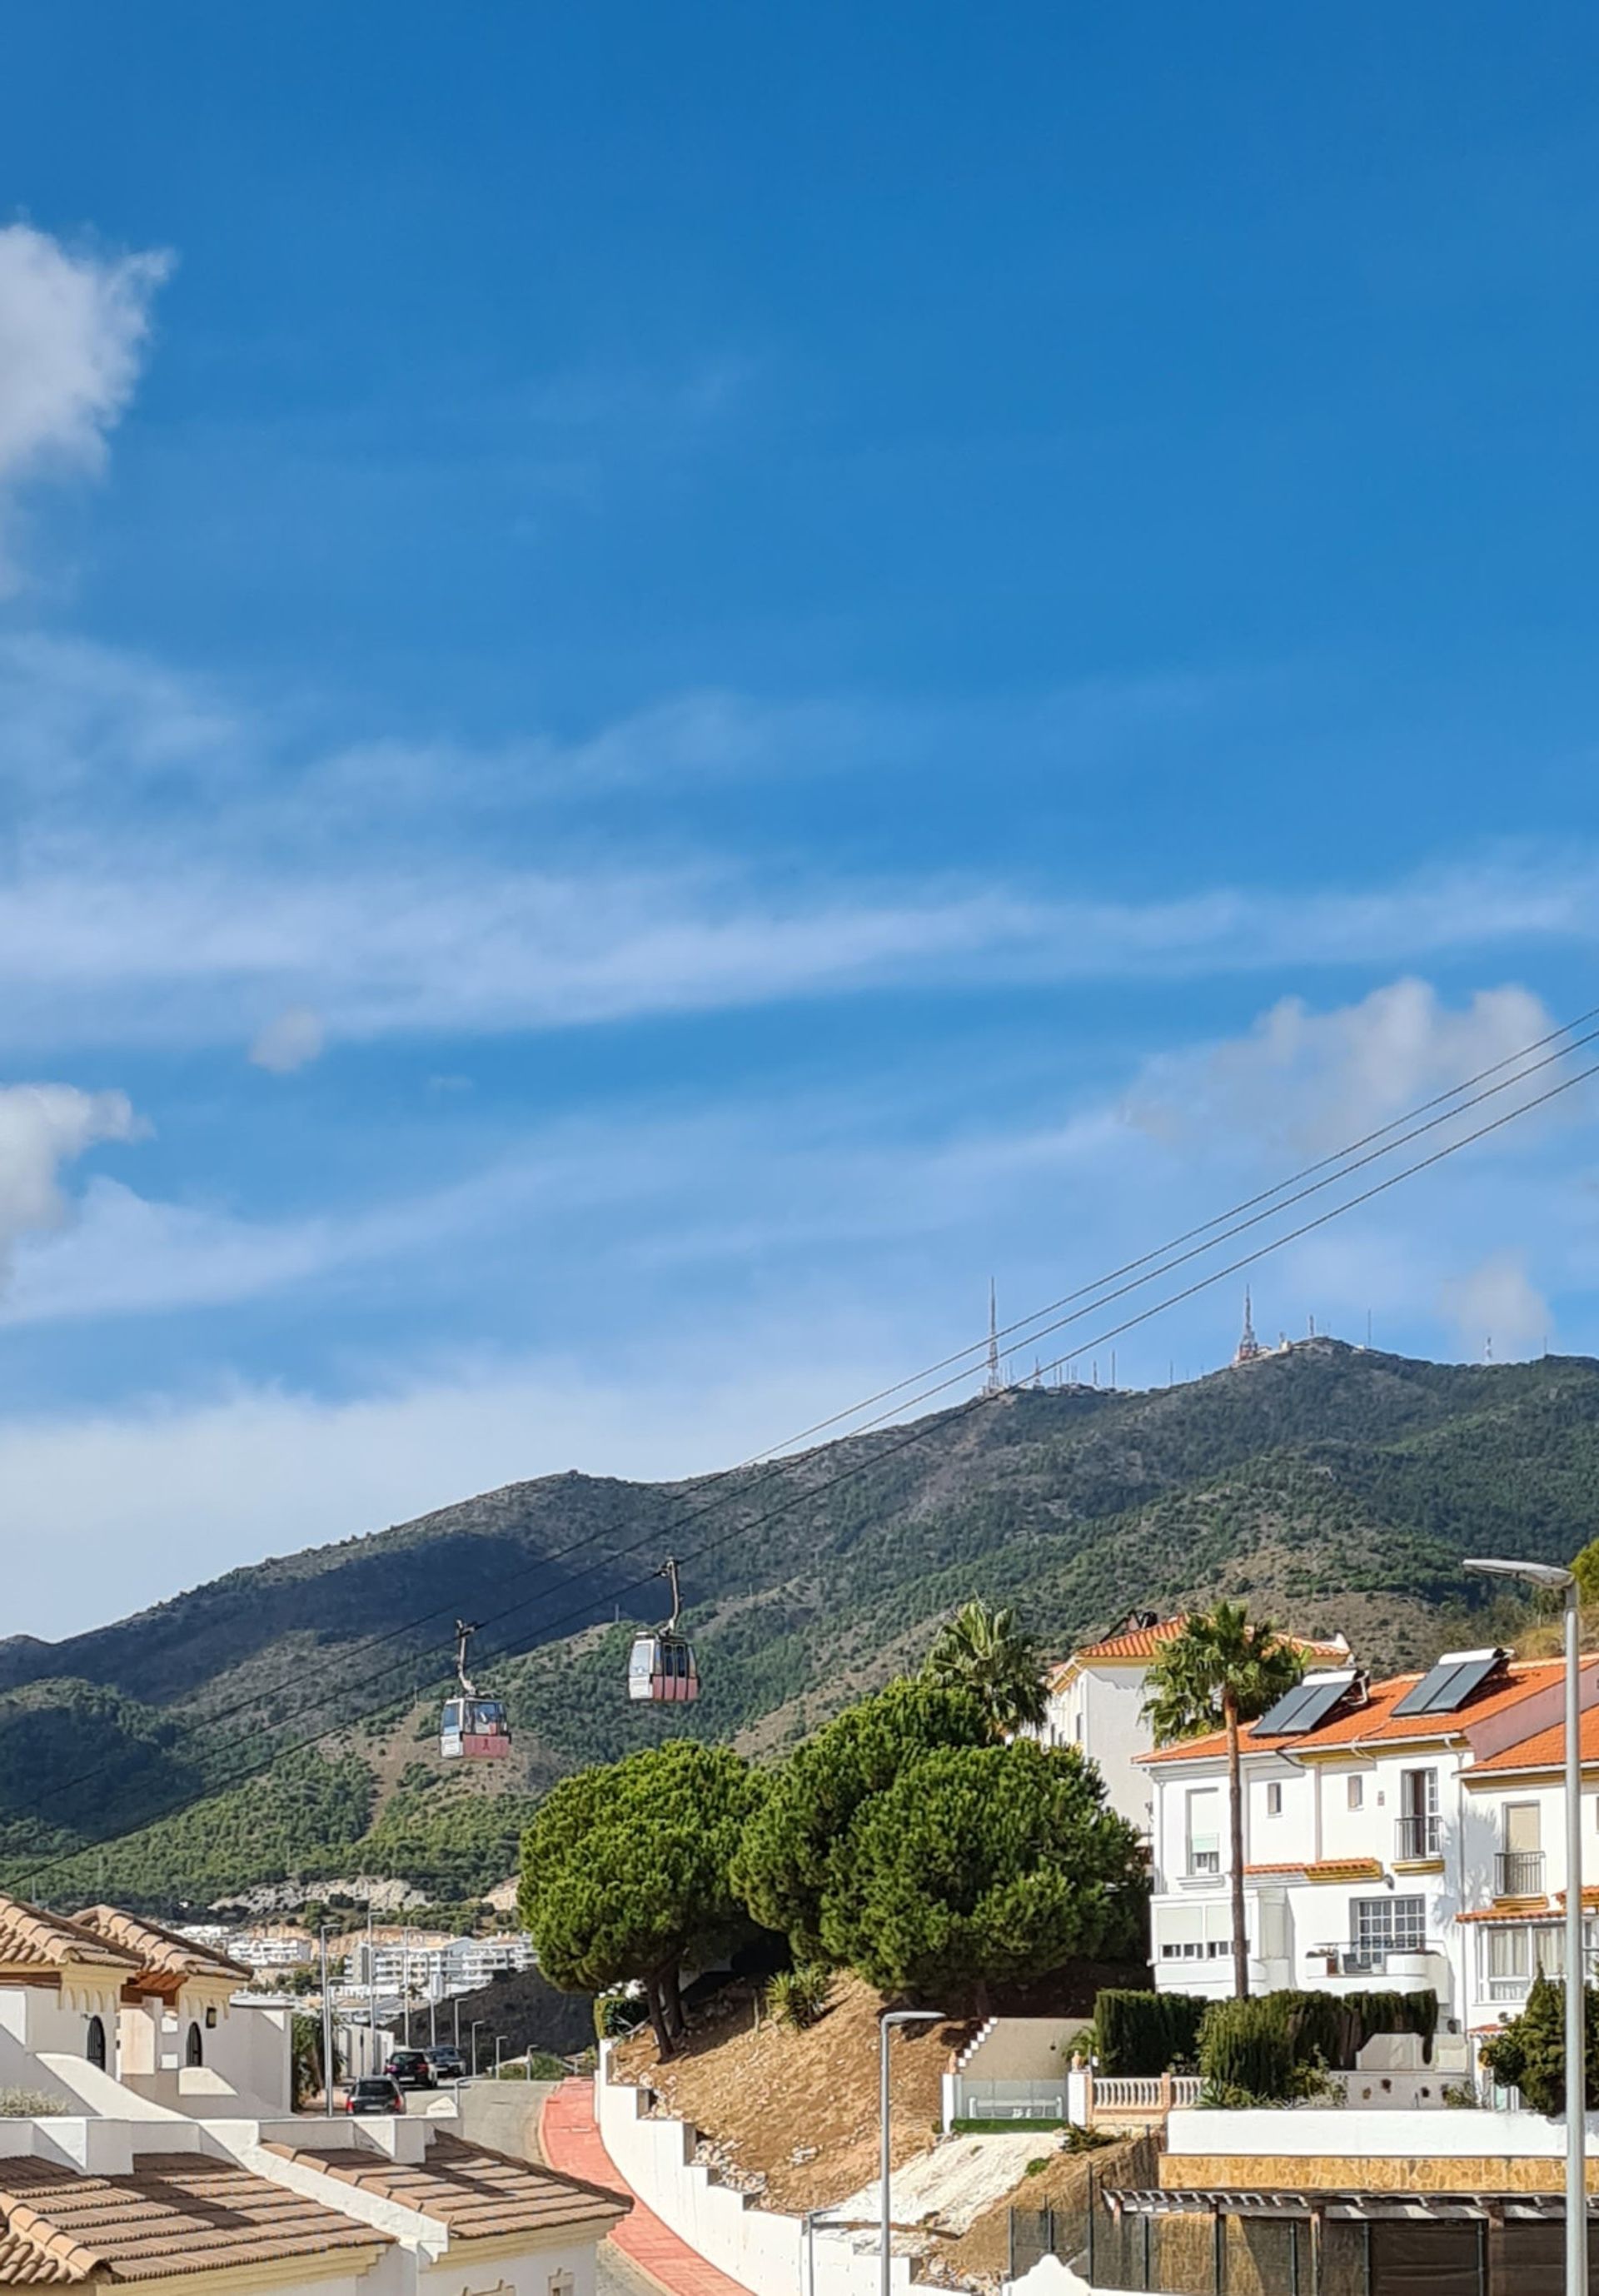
[(1329, 1486)]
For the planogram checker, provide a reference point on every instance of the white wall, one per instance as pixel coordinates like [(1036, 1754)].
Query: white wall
[(759, 2248), (1351, 2134), (1101, 1711)]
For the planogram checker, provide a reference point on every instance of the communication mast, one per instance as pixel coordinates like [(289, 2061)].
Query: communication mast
[(993, 1383)]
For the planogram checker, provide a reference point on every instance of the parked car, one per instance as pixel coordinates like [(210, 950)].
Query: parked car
[(410, 2067), (448, 2063), (374, 2093)]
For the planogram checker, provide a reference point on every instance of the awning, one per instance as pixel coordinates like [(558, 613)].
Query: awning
[(1286, 2206)]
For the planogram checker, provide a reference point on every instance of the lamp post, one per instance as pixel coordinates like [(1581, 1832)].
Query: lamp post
[(327, 2030), (892, 2017), (1551, 1575)]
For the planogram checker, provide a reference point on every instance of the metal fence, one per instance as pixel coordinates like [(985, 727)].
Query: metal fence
[(1010, 2100)]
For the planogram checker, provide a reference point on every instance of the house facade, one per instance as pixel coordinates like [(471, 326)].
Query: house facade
[(1380, 1835), (1096, 1703), (160, 2144)]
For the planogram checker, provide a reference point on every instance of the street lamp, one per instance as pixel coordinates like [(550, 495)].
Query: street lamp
[(892, 2017), (1551, 1575)]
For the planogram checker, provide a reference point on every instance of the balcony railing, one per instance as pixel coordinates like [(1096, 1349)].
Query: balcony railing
[(1519, 1874), (1418, 1837), (1363, 1958)]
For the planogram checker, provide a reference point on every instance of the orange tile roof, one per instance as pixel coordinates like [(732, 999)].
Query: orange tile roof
[(32, 1939), (477, 2194), (178, 2213), (166, 1958), (1376, 1722), (1545, 1750), (1144, 1642)]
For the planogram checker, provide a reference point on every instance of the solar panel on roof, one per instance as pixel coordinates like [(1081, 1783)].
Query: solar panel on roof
[(1457, 1676), (1304, 1706)]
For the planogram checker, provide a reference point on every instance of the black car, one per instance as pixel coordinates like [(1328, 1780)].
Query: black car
[(374, 2093), (410, 2067), (448, 2063)]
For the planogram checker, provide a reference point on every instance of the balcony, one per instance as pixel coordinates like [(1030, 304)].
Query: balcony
[(1519, 1874), (1418, 1837), (1365, 1958)]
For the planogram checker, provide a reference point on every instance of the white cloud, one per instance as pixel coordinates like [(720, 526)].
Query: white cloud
[(1308, 1082), (42, 1127), (291, 1041), (297, 1471), (1497, 1309), (72, 329)]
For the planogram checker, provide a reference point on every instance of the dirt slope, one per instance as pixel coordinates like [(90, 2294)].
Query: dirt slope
[(793, 2116)]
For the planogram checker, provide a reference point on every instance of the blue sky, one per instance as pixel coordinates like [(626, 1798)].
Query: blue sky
[(673, 681)]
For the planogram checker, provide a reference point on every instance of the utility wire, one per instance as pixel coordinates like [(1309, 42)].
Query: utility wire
[(691, 1515), (911, 1438)]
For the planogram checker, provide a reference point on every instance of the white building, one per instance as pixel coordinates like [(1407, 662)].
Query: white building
[(272, 1949), (433, 1968), (1096, 1703), (175, 2154), (1385, 1826)]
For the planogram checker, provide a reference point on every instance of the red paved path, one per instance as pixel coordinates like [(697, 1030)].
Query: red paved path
[(569, 2139)]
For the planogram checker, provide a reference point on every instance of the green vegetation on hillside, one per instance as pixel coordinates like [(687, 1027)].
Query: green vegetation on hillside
[(1329, 1488)]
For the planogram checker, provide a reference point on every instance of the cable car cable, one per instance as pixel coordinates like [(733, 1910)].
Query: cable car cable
[(544, 1562), (912, 1437), (348, 1652)]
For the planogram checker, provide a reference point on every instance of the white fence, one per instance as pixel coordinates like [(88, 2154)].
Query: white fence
[(1153, 2093), (759, 2248)]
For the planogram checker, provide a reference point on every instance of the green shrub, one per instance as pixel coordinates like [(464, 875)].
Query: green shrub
[(1530, 2053), (1246, 2051), (1142, 2033), (797, 1997)]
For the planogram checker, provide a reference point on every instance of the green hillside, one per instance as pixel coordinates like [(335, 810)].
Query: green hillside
[(1330, 1486)]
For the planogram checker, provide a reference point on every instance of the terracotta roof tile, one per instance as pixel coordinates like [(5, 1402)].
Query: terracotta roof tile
[(476, 2194), (1545, 1750), (32, 1939), (1144, 1642), (1376, 1721), (178, 2213), (163, 1954)]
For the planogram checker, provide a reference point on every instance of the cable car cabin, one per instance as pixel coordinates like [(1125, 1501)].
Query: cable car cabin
[(661, 1668), (473, 1728)]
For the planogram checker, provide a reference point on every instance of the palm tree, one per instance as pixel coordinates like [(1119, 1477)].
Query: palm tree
[(1220, 1664), (986, 1652)]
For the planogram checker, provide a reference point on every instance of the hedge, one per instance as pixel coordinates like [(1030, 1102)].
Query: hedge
[(1146, 2032), (1262, 2046)]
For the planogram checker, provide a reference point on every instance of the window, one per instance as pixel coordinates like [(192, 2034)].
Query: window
[(1418, 1814), (1515, 1954), (1204, 1830), (1274, 1799), (194, 2046), (1384, 1925), (1354, 1792), (561, 2283), (94, 2043), (1077, 1730)]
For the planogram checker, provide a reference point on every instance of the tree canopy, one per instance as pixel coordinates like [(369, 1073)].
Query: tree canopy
[(986, 1652), (1221, 1658), (984, 1863), (784, 1867), (626, 1872)]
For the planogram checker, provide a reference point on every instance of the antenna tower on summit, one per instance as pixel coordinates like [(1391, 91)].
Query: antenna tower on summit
[(993, 1383), (1248, 1346)]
